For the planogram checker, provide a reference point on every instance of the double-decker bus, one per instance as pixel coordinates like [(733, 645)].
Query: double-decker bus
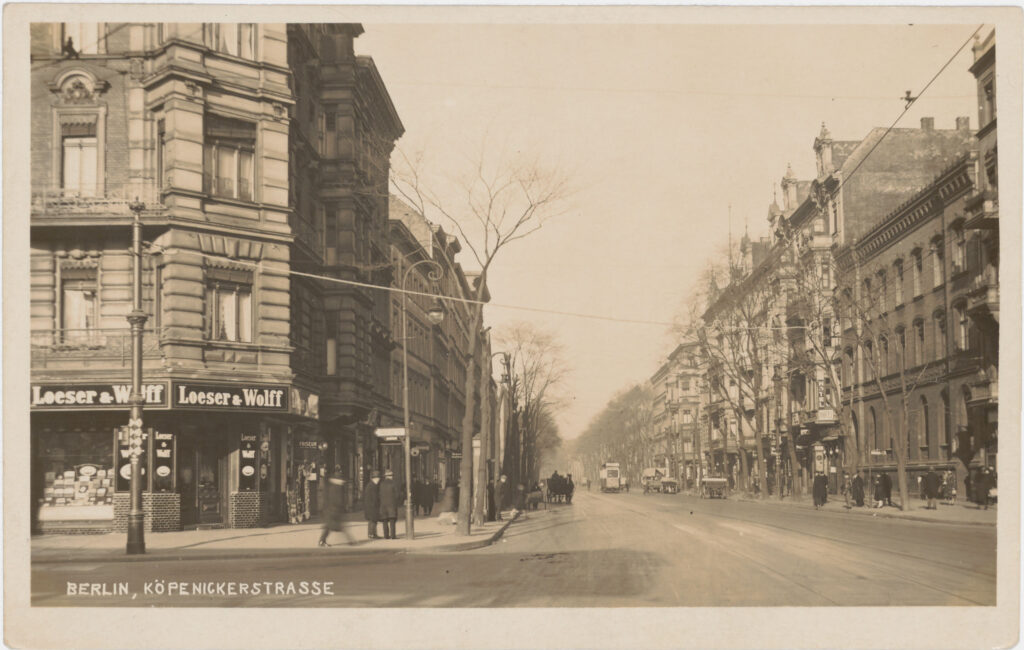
[(610, 477)]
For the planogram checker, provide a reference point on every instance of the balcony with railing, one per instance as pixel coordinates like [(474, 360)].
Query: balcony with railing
[(94, 201), (79, 348), (983, 296)]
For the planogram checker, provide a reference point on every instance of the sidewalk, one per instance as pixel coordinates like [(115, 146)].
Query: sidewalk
[(961, 513), (433, 535)]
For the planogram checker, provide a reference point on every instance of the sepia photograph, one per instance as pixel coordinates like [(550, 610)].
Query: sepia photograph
[(605, 326)]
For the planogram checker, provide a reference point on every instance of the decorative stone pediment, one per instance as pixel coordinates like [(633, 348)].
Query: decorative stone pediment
[(78, 86)]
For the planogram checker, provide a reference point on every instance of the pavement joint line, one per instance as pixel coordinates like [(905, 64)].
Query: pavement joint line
[(870, 512), (173, 555)]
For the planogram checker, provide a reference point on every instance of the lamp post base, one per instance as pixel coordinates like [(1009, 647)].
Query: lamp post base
[(136, 540)]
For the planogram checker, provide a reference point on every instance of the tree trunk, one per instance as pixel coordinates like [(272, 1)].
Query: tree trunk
[(479, 511), (794, 466), (466, 466)]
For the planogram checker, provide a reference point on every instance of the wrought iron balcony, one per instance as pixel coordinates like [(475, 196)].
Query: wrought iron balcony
[(98, 201), (113, 347)]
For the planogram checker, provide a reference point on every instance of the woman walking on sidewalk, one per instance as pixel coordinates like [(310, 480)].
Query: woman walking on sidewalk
[(334, 507)]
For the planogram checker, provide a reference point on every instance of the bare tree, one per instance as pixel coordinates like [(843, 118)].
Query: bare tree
[(501, 200), (617, 433), (537, 364), (872, 330)]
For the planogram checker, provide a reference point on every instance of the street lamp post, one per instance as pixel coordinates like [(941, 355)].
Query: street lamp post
[(136, 544), (436, 315)]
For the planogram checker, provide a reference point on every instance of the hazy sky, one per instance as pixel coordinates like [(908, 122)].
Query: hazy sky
[(662, 127)]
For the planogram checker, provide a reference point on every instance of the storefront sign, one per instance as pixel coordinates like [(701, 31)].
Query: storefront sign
[(247, 462), (163, 462), (124, 461), (230, 397), (94, 396)]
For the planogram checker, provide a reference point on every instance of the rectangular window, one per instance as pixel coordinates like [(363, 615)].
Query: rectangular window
[(938, 262), (916, 272), (940, 337), (229, 154), (989, 99), (85, 37), (79, 159), (161, 151), (919, 350), (236, 39), (898, 280), (882, 290), (962, 333), (959, 251), (79, 306), (228, 308), (883, 356)]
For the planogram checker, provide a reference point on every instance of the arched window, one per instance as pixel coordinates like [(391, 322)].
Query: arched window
[(962, 325), (946, 426), (869, 360), (883, 355), (873, 440), (924, 429), (938, 262), (917, 268), (919, 343), (939, 348), (897, 278)]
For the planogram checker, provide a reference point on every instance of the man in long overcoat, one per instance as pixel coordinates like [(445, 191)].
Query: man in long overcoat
[(887, 488), (371, 504), (389, 504), (857, 485), (820, 490)]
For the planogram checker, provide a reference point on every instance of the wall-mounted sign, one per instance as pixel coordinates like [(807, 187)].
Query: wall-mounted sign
[(392, 435), (163, 462), (124, 461), (247, 449), (229, 397), (94, 396)]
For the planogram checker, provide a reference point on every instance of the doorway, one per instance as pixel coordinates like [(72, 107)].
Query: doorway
[(202, 477)]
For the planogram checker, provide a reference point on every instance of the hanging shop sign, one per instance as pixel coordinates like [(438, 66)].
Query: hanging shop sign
[(233, 397), (390, 435), (247, 462), (52, 397)]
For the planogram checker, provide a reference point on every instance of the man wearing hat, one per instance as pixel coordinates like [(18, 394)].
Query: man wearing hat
[(389, 504), (371, 504)]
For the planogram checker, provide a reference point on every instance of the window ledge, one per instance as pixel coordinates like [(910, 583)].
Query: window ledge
[(939, 287), (917, 297)]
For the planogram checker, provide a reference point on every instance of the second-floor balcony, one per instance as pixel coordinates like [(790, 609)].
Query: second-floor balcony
[(983, 296), (93, 201), (76, 348)]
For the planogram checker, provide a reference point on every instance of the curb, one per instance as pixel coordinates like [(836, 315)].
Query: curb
[(172, 555), (869, 513), (465, 546)]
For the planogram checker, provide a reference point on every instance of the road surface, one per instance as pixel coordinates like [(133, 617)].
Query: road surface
[(608, 550)]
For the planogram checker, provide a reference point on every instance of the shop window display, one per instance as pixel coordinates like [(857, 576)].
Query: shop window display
[(77, 470)]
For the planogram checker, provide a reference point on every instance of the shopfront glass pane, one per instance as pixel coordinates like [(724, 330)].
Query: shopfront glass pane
[(76, 468)]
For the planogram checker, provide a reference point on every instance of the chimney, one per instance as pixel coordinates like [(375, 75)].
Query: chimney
[(963, 124), (927, 123)]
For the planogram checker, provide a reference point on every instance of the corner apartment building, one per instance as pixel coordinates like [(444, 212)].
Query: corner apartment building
[(253, 150), (675, 414), (437, 353)]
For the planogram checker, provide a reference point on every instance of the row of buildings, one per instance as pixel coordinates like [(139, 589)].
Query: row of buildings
[(863, 333), (257, 158)]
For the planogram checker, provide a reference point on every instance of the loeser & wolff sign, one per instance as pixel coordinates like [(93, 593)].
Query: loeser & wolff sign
[(229, 397), (94, 396)]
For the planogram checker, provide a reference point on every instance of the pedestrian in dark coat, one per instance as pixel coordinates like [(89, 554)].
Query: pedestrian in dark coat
[(427, 497), (982, 484), (857, 486), (570, 487), (334, 507), (930, 485), (500, 496), (520, 497), (820, 490), (879, 492), (371, 504), (389, 500), (887, 488)]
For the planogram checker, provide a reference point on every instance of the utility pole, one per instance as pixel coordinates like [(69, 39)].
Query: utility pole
[(136, 544)]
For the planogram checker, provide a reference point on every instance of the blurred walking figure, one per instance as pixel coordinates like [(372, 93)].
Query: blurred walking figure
[(879, 492), (426, 500), (930, 486), (371, 504), (389, 500), (847, 490), (949, 487), (334, 507), (983, 487)]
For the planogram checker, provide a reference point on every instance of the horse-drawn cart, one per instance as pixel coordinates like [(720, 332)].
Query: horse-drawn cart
[(714, 488)]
